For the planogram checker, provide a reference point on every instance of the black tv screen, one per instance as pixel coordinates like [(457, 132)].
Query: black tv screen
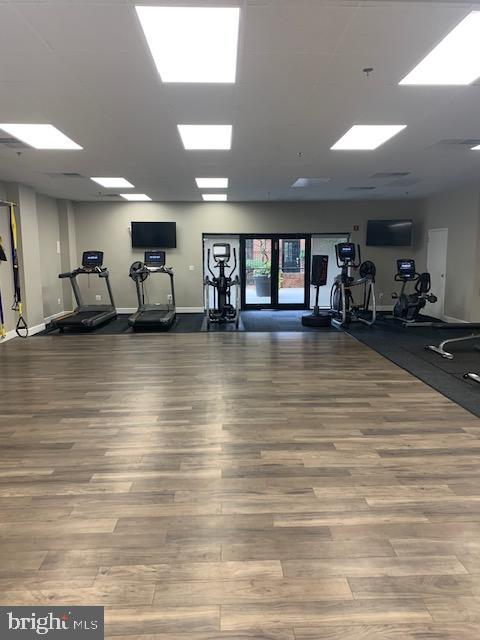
[(150, 235), (389, 233)]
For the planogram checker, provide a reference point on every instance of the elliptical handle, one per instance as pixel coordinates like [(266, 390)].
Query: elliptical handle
[(234, 262), (337, 257), (359, 259), (208, 263)]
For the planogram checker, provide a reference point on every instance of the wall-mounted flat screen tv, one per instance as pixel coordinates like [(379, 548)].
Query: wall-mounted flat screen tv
[(154, 235), (389, 233)]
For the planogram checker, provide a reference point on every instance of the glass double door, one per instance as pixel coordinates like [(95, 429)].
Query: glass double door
[(275, 271)]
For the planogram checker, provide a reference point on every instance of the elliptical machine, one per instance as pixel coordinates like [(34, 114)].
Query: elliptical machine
[(409, 305), (223, 310), (343, 307)]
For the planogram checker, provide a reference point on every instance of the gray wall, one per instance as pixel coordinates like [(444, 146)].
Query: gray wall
[(459, 212), (50, 262), (6, 278), (105, 226), (41, 222)]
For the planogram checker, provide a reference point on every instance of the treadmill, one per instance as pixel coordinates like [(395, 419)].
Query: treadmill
[(87, 316), (160, 317)]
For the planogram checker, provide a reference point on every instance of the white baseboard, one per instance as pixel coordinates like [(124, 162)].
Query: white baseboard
[(190, 310), (451, 319), (179, 309), (10, 335), (33, 330), (55, 315), (41, 327), (36, 329)]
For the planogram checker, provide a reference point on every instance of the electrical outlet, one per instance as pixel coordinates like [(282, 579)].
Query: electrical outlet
[(191, 267), (169, 298), (380, 295), (98, 298), (59, 302)]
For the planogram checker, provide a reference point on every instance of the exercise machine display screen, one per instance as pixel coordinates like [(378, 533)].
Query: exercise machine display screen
[(406, 268), (92, 259), (346, 251), (221, 251), (154, 258)]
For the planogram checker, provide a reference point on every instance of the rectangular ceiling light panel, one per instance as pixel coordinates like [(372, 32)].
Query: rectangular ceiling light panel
[(206, 136), (455, 60), (113, 183), (367, 137), (136, 197), (212, 183), (192, 44), (214, 197), (40, 136)]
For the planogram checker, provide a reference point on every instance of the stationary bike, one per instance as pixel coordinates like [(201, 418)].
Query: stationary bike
[(223, 310), (343, 307), (409, 305)]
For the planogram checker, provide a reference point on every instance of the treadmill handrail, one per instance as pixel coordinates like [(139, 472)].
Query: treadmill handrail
[(101, 272), (162, 269)]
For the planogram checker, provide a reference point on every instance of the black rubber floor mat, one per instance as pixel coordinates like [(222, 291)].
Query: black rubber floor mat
[(406, 350), (274, 321), (462, 359)]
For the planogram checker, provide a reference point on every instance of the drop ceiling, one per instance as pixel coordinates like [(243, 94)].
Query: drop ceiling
[(85, 67)]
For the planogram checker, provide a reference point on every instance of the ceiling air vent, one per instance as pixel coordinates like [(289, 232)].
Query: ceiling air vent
[(67, 174), (458, 143), (405, 182), (361, 188), (13, 143), (389, 174)]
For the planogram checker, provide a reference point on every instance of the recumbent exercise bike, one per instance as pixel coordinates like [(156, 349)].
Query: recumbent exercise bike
[(223, 310), (409, 305)]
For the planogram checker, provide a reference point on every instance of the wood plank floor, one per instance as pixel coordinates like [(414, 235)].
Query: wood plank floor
[(237, 486)]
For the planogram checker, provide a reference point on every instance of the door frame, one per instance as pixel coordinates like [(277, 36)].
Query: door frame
[(443, 282), (275, 269)]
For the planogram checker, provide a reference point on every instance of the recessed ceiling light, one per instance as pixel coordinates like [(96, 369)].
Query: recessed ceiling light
[(192, 44), (212, 183), (206, 136), (113, 183), (136, 197), (214, 197), (40, 136), (455, 60), (309, 182), (367, 137)]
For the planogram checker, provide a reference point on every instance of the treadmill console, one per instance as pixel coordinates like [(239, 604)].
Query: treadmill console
[(92, 259), (221, 252), (154, 259), (406, 269), (346, 252)]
